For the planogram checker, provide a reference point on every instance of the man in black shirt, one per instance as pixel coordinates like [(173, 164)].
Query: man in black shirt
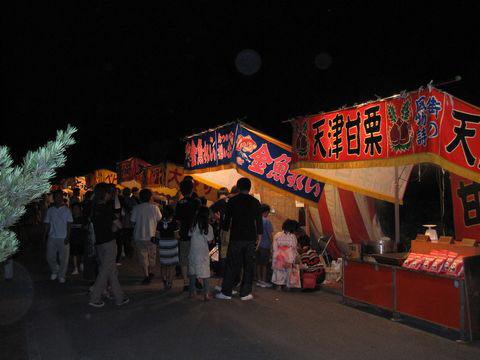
[(185, 212), (243, 213)]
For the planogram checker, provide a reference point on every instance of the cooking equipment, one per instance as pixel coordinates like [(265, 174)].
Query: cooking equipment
[(383, 246), (396, 259)]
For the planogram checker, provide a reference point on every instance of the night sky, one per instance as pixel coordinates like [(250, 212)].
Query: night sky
[(135, 79)]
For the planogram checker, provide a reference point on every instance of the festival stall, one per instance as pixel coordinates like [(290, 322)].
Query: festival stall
[(99, 176), (155, 179), (131, 172), (370, 149), (219, 157), (76, 182)]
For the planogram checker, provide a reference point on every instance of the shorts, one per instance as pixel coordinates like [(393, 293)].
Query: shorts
[(263, 256), (184, 252), (146, 252)]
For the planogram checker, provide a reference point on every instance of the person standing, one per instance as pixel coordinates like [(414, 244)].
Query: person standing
[(185, 213), (285, 257), (78, 238), (58, 221), (128, 203), (102, 220), (243, 212), (264, 248), (199, 256), (75, 199), (145, 218), (218, 211), (135, 196), (167, 246)]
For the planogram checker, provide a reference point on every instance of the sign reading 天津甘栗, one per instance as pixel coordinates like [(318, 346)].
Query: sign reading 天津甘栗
[(422, 126)]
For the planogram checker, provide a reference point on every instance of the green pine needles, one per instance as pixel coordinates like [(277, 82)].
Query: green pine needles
[(21, 184)]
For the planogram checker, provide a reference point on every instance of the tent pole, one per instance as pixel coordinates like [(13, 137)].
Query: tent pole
[(397, 209)]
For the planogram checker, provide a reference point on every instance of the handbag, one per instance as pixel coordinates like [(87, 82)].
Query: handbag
[(294, 277)]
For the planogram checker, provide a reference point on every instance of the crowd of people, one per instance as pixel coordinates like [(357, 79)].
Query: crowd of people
[(108, 225)]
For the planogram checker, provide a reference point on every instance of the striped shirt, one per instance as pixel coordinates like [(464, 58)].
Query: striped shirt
[(311, 260), (167, 244)]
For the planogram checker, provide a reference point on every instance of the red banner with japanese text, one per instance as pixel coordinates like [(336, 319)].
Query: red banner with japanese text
[(131, 170), (99, 176), (466, 207), (155, 175), (421, 126)]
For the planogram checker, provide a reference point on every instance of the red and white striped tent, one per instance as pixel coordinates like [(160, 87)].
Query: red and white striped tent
[(350, 217)]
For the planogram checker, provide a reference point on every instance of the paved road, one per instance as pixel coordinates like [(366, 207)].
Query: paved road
[(40, 319)]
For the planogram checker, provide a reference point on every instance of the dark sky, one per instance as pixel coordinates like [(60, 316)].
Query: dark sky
[(136, 79)]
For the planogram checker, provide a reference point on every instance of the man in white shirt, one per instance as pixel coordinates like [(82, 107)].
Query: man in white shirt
[(58, 221), (145, 217)]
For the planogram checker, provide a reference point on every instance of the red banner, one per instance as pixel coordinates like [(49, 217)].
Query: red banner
[(155, 175), (466, 207), (131, 169), (421, 126)]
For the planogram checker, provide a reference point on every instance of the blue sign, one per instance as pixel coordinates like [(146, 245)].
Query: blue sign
[(270, 162), (237, 146), (211, 148)]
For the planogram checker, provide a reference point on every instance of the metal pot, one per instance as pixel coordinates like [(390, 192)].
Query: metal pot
[(383, 246)]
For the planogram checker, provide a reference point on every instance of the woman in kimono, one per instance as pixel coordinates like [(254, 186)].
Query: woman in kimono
[(286, 271)]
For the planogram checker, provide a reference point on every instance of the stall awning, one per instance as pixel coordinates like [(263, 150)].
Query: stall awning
[(219, 157), (357, 148)]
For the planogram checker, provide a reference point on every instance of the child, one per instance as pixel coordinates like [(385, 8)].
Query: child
[(264, 248), (167, 246), (199, 257), (285, 270), (311, 266), (78, 238)]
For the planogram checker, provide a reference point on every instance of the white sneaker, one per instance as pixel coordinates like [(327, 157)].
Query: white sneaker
[(53, 277), (261, 284), (97, 305), (221, 296), (61, 280), (75, 272), (218, 288), (268, 285), (247, 297)]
